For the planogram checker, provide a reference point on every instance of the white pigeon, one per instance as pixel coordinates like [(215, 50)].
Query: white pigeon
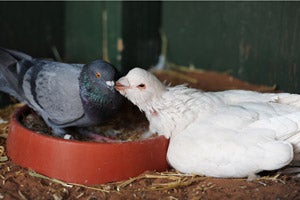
[(234, 133)]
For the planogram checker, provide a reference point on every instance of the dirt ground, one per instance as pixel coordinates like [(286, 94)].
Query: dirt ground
[(19, 183)]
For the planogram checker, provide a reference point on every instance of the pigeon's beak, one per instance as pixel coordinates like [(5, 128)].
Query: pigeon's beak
[(110, 83), (121, 84), (119, 87)]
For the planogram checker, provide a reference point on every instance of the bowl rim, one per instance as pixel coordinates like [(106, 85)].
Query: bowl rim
[(24, 110), (65, 159)]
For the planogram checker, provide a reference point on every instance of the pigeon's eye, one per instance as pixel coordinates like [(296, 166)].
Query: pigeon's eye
[(98, 74), (141, 86)]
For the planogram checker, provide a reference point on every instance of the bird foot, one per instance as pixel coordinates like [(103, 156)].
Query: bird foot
[(99, 138), (93, 137)]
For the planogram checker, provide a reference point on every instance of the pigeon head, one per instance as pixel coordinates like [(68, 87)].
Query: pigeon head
[(97, 81), (140, 87)]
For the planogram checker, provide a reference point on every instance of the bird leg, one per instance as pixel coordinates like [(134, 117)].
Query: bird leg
[(95, 137), (99, 138), (60, 132)]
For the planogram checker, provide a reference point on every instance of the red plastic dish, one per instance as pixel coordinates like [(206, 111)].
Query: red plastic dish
[(83, 162)]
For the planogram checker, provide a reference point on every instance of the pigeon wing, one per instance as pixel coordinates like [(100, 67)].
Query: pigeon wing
[(229, 149), (55, 87), (239, 96), (13, 65)]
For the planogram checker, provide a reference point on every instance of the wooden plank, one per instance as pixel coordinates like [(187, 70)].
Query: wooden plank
[(255, 41)]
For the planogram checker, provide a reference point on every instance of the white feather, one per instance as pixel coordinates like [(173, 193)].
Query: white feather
[(232, 133)]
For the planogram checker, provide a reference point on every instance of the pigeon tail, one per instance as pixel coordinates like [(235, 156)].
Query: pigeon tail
[(295, 140), (11, 72), (290, 99), (278, 154)]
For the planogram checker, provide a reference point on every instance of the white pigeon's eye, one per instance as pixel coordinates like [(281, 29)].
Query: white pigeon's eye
[(141, 86), (98, 75)]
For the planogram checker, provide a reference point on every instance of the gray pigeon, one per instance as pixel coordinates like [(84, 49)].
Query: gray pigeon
[(64, 95)]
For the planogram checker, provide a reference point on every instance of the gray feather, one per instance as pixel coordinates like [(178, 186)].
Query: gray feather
[(52, 86), (63, 94)]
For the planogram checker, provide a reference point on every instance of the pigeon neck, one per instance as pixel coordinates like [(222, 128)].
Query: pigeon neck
[(88, 91), (159, 121)]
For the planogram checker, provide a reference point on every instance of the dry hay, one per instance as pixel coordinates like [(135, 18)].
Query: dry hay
[(4, 126)]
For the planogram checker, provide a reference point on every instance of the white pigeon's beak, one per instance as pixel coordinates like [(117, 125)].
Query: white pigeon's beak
[(122, 84)]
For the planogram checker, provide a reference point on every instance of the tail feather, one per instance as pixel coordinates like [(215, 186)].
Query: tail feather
[(290, 99), (295, 140), (10, 71), (16, 54)]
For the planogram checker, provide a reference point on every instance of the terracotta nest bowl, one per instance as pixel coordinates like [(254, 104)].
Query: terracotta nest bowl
[(83, 162)]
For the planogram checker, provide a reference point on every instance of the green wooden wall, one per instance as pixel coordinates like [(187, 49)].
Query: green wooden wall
[(141, 22), (33, 27), (36, 28), (75, 29), (92, 30), (255, 41)]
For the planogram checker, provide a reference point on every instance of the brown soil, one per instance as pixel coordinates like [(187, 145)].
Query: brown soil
[(19, 183)]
